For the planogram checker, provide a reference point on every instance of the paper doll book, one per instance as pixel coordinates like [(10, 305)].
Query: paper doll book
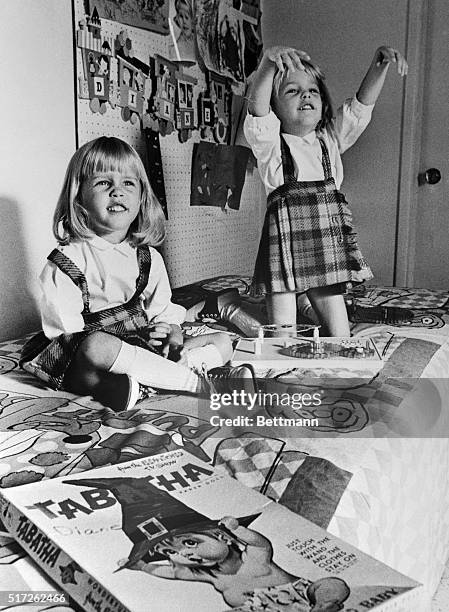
[(170, 533)]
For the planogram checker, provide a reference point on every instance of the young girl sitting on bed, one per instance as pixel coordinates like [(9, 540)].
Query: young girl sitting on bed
[(308, 243), (107, 317)]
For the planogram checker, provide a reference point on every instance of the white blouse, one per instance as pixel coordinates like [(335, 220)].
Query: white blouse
[(263, 136), (111, 271)]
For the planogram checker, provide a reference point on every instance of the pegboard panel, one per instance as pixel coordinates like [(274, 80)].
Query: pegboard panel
[(201, 241)]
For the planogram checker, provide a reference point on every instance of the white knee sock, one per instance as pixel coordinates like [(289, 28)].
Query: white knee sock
[(208, 356), (153, 370)]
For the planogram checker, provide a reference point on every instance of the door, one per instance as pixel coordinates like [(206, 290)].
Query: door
[(431, 248), (342, 36)]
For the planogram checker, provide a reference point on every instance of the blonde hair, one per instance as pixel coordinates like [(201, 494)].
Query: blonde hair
[(326, 122), (105, 154)]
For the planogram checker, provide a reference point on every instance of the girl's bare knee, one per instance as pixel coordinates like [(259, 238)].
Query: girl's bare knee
[(91, 362), (98, 351), (281, 308)]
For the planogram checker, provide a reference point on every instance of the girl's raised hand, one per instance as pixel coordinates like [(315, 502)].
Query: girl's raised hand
[(286, 58), (387, 55)]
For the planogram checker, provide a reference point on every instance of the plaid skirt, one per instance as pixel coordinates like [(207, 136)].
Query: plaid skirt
[(307, 241), (50, 359)]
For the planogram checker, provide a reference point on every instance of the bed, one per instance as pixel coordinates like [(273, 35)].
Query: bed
[(375, 472)]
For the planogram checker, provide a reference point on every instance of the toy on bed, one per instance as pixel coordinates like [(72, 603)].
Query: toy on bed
[(225, 306), (290, 347)]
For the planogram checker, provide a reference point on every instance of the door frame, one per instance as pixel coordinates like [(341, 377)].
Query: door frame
[(410, 147)]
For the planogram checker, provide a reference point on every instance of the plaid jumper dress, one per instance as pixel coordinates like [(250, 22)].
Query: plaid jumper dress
[(50, 359), (307, 238)]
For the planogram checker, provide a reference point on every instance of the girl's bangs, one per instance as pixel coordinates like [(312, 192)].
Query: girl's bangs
[(310, 68), (111, 155)]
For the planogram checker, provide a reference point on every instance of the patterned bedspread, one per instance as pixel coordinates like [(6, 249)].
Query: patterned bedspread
[(373, 473)]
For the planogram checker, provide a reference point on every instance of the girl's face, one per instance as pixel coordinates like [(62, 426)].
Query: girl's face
[(195, 549), (184, 20), (112, 201), (298, 103)]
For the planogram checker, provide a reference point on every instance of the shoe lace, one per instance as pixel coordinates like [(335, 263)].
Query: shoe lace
[(145, 392)]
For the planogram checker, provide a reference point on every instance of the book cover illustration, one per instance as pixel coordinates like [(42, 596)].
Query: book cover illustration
[(170, 533)]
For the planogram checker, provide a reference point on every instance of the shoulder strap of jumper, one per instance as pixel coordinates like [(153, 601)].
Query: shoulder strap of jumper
[(144, 260), (287, 162), (68, 267), (325, 160), (288, 166)]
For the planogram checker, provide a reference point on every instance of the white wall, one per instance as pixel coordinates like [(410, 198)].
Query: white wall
[(37, 138)]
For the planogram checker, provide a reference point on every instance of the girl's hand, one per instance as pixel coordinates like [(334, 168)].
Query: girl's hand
[(174, 343), (286, 58), (158, 334), (388, 55), (229, 522)]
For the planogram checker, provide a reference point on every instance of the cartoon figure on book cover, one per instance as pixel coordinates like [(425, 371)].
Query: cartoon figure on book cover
[(173, 541)]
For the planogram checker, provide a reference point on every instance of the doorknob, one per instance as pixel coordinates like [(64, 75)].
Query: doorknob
[(432, 176)]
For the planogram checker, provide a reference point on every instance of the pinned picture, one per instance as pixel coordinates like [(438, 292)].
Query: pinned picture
[(206, 16), (229, 37), (231, 42), (182, 30), (250, 16), (146, 14), (218, 175), (252, 31)]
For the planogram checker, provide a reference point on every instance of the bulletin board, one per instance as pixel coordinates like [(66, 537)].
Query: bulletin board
[(201, 241)]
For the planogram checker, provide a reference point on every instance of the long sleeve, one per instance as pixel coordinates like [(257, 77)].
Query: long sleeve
[(111, 272), (351, 121), (61, 303), (263, 136)]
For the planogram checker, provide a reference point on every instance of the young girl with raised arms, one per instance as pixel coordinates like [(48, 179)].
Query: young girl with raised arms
[(109, 327), (308, 242)]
